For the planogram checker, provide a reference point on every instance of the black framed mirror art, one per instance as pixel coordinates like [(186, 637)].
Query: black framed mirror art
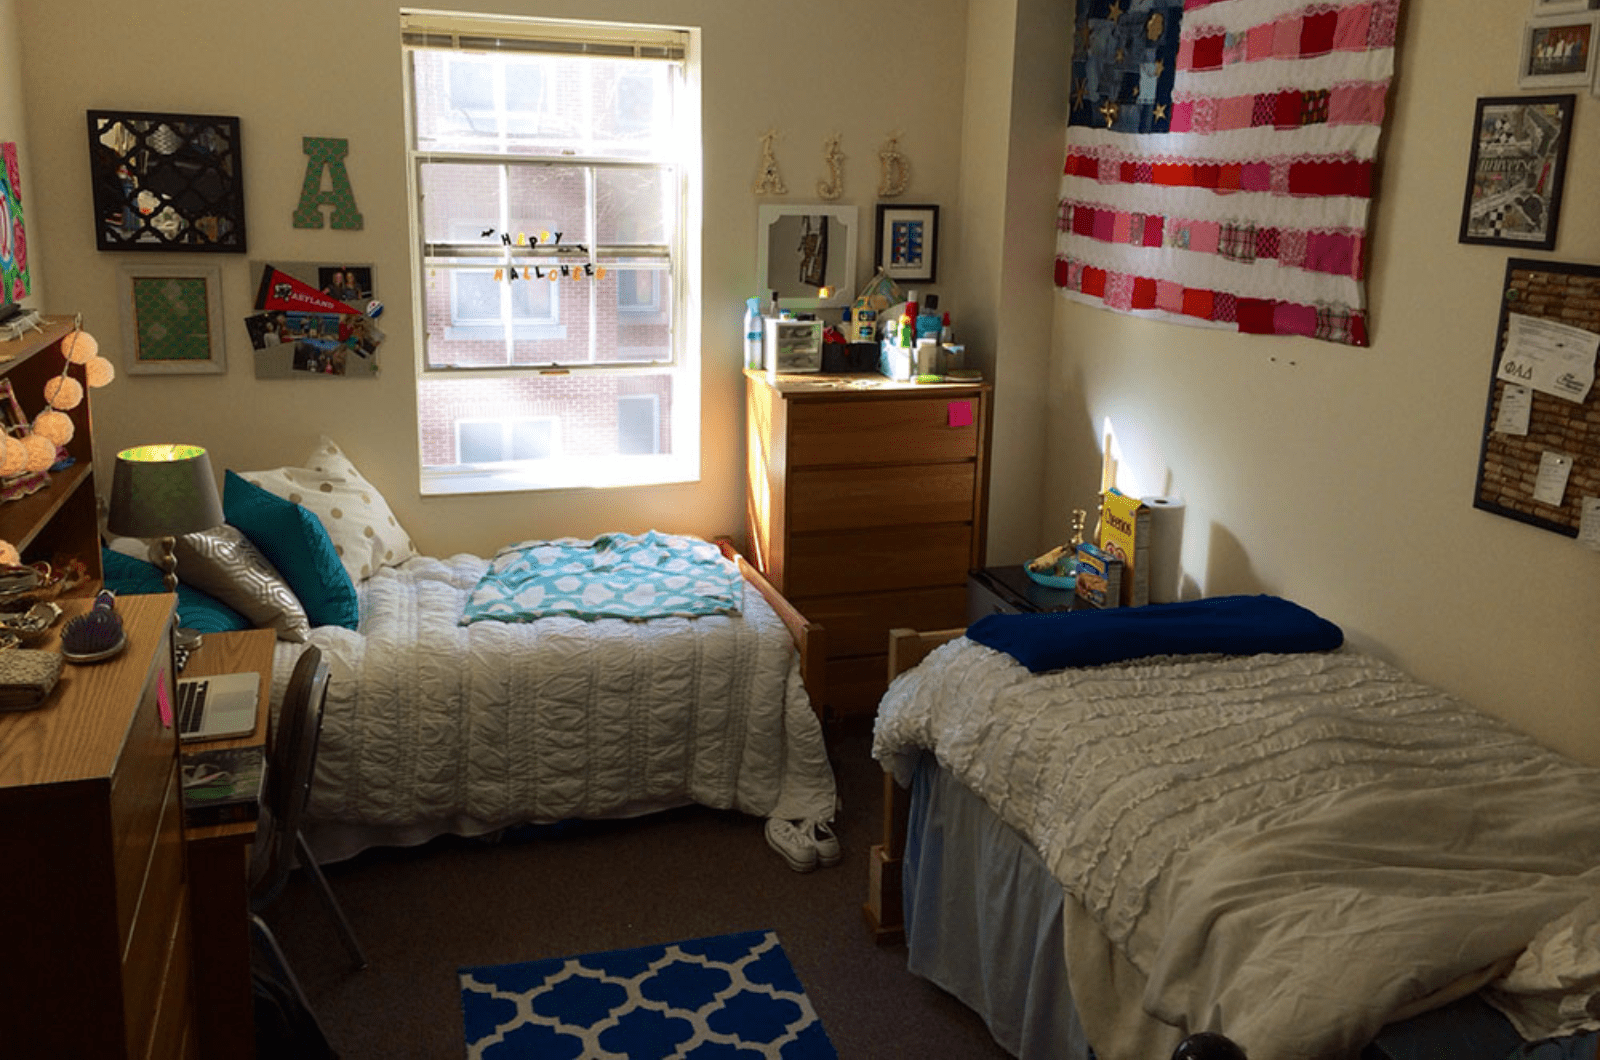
[(166, 181)]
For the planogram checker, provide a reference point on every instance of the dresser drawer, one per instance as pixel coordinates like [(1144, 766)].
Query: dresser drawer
[(856, 685), (139, 789), (172, 1034), (864, 561), (900, 431), (859, 624), (162, 911), (839, 498)]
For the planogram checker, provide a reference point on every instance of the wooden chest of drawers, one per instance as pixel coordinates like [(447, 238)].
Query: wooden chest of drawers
[(94, 928), (865, 507)]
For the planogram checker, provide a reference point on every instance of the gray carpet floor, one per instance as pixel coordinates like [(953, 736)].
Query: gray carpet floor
[(425, 912)]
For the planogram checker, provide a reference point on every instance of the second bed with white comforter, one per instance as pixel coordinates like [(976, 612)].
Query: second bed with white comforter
[(1292, 848), (433, 727)]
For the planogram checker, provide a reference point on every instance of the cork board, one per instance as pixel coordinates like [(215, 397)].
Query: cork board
[(1510, 463)]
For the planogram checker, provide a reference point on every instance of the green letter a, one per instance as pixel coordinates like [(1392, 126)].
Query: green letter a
[(326, 154)]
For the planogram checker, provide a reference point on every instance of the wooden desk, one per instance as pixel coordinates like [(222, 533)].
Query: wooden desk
[(94, 908), (219, 870)]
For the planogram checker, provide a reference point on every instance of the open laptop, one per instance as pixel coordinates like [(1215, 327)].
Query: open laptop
[(217, 705)]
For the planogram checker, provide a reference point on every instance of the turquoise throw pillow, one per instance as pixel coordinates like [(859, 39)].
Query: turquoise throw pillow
[(294, 542), (127, 576)]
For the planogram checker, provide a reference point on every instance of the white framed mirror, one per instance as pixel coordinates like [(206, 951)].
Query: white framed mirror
[(807, 253)]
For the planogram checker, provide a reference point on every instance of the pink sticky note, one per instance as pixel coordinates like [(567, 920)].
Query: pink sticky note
[(960, 413), (163, 703)]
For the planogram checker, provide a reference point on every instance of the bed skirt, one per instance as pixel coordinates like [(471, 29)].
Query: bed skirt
[(987, 922), (983, 919)]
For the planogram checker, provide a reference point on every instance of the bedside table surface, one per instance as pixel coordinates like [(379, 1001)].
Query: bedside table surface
[(1012, 584)]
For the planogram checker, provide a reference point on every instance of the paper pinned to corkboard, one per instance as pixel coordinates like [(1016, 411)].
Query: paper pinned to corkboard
[(1543, 411)]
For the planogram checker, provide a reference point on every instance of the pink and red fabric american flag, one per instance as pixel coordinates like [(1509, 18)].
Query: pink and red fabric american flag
[(1220, 156)]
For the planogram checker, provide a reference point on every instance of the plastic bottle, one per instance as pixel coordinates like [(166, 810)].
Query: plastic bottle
[(928, 319), (752, 333), (907, 334), (947, 334)]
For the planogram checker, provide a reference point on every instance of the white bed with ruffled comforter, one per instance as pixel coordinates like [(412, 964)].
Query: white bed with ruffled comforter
[(432, 727), (1296, 849)]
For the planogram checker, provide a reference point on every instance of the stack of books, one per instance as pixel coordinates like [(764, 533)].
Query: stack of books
[(223, 784)]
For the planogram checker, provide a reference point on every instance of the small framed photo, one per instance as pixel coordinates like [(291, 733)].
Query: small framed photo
[(1559, 7), (908, 242), (1558, 51), (1518, 166), (172, 318)]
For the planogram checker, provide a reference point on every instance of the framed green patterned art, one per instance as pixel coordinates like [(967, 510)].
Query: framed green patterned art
[(172, 318)]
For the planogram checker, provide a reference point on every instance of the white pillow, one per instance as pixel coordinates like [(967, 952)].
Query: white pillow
[(364, 531)]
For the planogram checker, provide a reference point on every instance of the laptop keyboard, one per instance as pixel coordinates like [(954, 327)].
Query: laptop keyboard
[(192, 705)]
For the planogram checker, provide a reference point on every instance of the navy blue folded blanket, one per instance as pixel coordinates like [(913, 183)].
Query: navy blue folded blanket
[(1221, 625)]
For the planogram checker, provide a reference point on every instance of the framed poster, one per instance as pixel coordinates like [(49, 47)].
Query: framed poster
[(1519, 162), (166, 181), (908, 242), (172, 318), (15, 280)]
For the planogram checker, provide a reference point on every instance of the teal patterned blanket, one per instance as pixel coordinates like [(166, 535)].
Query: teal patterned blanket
[(636, 577)]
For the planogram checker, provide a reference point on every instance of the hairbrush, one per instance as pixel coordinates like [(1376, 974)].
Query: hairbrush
[(96, 634)]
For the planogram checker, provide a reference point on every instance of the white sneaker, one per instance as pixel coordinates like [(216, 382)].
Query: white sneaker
[(825, 843), (793, 843)]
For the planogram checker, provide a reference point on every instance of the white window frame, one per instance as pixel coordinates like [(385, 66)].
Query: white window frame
[(684, 255)]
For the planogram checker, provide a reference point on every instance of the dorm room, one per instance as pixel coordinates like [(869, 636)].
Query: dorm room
[(1341, 476)]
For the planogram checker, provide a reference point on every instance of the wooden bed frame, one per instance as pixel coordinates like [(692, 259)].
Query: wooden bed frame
[(884, 909), (809, 637)]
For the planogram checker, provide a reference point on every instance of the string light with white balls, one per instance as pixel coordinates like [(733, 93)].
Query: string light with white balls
[(31, 448)]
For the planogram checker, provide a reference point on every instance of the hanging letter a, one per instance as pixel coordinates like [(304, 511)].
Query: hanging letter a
[(324, 153)]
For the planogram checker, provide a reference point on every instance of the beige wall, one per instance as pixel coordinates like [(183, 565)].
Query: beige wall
[(859, 68), (1004, 243), (13, 128), (1343, 478), (1338, 477)]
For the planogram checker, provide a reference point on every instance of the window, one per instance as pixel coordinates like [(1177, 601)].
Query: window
[(555, 175), (638, 423), (498, 441)]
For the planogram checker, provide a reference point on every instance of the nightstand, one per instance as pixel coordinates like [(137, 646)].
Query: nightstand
[(219, 869), (1009, 591)]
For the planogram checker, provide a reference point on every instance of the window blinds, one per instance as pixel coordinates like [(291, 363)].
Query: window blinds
[(452, 31)]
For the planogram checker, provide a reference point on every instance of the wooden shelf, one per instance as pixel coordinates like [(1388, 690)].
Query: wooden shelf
[(53, 331), (59, 521), (21, 520)]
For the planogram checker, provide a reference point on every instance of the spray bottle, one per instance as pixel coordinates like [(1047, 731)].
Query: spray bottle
[(752, 333)]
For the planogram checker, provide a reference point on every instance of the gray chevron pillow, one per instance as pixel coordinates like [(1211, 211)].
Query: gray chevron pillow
[(225, 564)]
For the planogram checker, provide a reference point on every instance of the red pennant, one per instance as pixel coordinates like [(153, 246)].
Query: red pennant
[(279, 290)]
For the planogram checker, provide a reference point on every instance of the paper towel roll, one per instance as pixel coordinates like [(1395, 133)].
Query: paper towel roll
[(1166, 548)]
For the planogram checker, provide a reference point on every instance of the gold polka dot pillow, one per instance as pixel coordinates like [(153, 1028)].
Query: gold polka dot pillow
[(364, 531)]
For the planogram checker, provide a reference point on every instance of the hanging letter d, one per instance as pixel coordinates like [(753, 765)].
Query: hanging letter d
[(328, 154)]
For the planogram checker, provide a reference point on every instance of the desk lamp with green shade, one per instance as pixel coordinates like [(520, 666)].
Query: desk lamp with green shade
[(161, 491)]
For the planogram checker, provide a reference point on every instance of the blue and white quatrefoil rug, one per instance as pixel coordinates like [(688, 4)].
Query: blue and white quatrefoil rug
[(729, 997)]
